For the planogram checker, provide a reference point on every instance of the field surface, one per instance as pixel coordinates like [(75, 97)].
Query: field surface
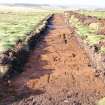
[(98, 14), (58, 72), (89, 28), (16, 25)]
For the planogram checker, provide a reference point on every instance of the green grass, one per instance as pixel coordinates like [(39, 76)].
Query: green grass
[(94, 39), (85, 32), (102, 50), (14, 26)]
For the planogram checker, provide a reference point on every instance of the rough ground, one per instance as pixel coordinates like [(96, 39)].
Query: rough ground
[(58, 72)]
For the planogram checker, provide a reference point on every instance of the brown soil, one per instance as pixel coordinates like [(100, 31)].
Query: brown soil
[(86, 20), (101, 31), (58, 72)]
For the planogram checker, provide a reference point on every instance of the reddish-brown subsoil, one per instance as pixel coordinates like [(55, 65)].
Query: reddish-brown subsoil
[(58, 72)]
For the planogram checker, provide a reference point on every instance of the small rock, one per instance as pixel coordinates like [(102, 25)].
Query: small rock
[(66, 101)]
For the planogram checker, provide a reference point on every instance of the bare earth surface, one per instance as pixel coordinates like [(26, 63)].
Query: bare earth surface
[(58, 72)]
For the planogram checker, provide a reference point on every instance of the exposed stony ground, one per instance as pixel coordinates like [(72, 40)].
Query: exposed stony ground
[(58, 72)]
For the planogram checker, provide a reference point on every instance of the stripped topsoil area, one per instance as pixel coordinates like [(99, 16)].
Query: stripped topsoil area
[(58, 72)]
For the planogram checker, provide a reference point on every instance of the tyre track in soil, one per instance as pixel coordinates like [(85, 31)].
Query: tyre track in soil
[(58, 72)]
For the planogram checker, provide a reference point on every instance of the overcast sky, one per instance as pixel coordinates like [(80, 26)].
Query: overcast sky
[(59, 2)]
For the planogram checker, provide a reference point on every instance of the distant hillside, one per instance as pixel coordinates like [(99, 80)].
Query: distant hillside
[(26, 5), (47, 6)]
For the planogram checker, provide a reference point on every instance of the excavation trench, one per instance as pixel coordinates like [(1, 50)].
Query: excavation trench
[(58, 72)]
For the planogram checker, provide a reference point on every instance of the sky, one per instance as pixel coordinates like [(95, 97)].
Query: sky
[(99, 3)]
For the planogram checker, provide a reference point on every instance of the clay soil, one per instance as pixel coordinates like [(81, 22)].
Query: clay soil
[(58, 72)]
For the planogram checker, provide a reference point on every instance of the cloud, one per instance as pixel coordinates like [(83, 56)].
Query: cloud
[(7, 1), (60, 2)]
